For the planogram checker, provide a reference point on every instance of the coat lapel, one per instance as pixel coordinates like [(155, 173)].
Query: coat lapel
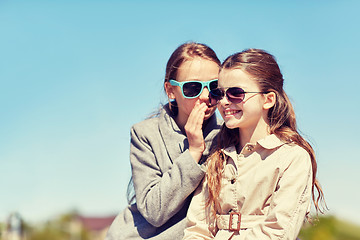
[(174, 140)]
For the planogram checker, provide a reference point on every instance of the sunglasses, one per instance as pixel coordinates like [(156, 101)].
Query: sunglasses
[(193, 89), (233, 94)]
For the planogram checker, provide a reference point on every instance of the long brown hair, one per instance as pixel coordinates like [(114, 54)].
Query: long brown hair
[(263, 67)]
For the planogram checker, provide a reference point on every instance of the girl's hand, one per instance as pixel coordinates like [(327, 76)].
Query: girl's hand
[(193, 130)]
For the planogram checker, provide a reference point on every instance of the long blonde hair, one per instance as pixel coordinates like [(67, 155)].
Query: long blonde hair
[(266, 72)]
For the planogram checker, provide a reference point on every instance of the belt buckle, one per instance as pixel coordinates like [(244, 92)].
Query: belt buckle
[(231, 221)]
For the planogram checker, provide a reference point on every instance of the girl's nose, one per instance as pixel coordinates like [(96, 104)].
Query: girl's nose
[(204, 96), (224, 101)]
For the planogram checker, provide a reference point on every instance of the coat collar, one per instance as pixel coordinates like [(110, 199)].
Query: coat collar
[(269, 142)]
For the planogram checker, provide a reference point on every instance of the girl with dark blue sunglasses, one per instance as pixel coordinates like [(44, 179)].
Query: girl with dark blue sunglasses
[(261, 177)]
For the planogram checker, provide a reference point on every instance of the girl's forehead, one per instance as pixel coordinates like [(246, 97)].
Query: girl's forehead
[(197, 69), (233, 73), (235, 78)]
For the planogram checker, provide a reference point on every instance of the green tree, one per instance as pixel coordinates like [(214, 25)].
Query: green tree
[(330, 228), (58, 229)]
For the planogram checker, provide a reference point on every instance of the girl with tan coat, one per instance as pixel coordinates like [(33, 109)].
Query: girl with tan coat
[(262, 176)]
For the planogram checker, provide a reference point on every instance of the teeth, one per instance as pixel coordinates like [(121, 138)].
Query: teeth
[(229, 112)]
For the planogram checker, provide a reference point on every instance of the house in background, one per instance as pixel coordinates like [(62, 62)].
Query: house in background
[(71, 226), (96, 227)]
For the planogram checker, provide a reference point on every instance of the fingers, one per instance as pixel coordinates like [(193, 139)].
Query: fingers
[(193, 130), (196, 117)]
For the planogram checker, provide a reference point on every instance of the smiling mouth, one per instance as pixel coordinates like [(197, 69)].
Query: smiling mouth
[(231, 112)]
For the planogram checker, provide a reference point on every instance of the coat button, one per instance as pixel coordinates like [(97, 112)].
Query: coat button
[(250, 148)]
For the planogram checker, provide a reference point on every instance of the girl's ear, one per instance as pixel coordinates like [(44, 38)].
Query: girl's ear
[(169, 90), (270, 99)]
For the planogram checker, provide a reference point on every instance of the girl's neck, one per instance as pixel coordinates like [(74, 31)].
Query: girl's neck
[(254, 134), (181, 123)]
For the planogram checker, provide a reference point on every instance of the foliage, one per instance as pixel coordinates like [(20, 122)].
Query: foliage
[(49, 231), (330, 228), (2, 229), (58, 229), (323, 228)]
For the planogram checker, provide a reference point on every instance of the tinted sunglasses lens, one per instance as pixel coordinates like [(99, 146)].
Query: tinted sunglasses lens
[(192, 89), (213, 85), (235, 94), (216, 94)]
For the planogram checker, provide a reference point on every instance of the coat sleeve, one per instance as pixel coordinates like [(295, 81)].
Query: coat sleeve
[(290, 202), (160, 195), (200, 223)]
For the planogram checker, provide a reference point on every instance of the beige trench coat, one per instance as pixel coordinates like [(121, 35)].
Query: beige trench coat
[(269, 183)]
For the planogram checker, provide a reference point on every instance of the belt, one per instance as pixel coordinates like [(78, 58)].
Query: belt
[(235, 221)]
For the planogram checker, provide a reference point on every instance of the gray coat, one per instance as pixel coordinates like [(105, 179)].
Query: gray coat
[(164, 176)]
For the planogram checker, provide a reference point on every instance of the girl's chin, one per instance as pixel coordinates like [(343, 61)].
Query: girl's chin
[(231, 125)]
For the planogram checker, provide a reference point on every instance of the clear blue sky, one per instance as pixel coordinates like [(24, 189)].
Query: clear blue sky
[(75, 75)]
